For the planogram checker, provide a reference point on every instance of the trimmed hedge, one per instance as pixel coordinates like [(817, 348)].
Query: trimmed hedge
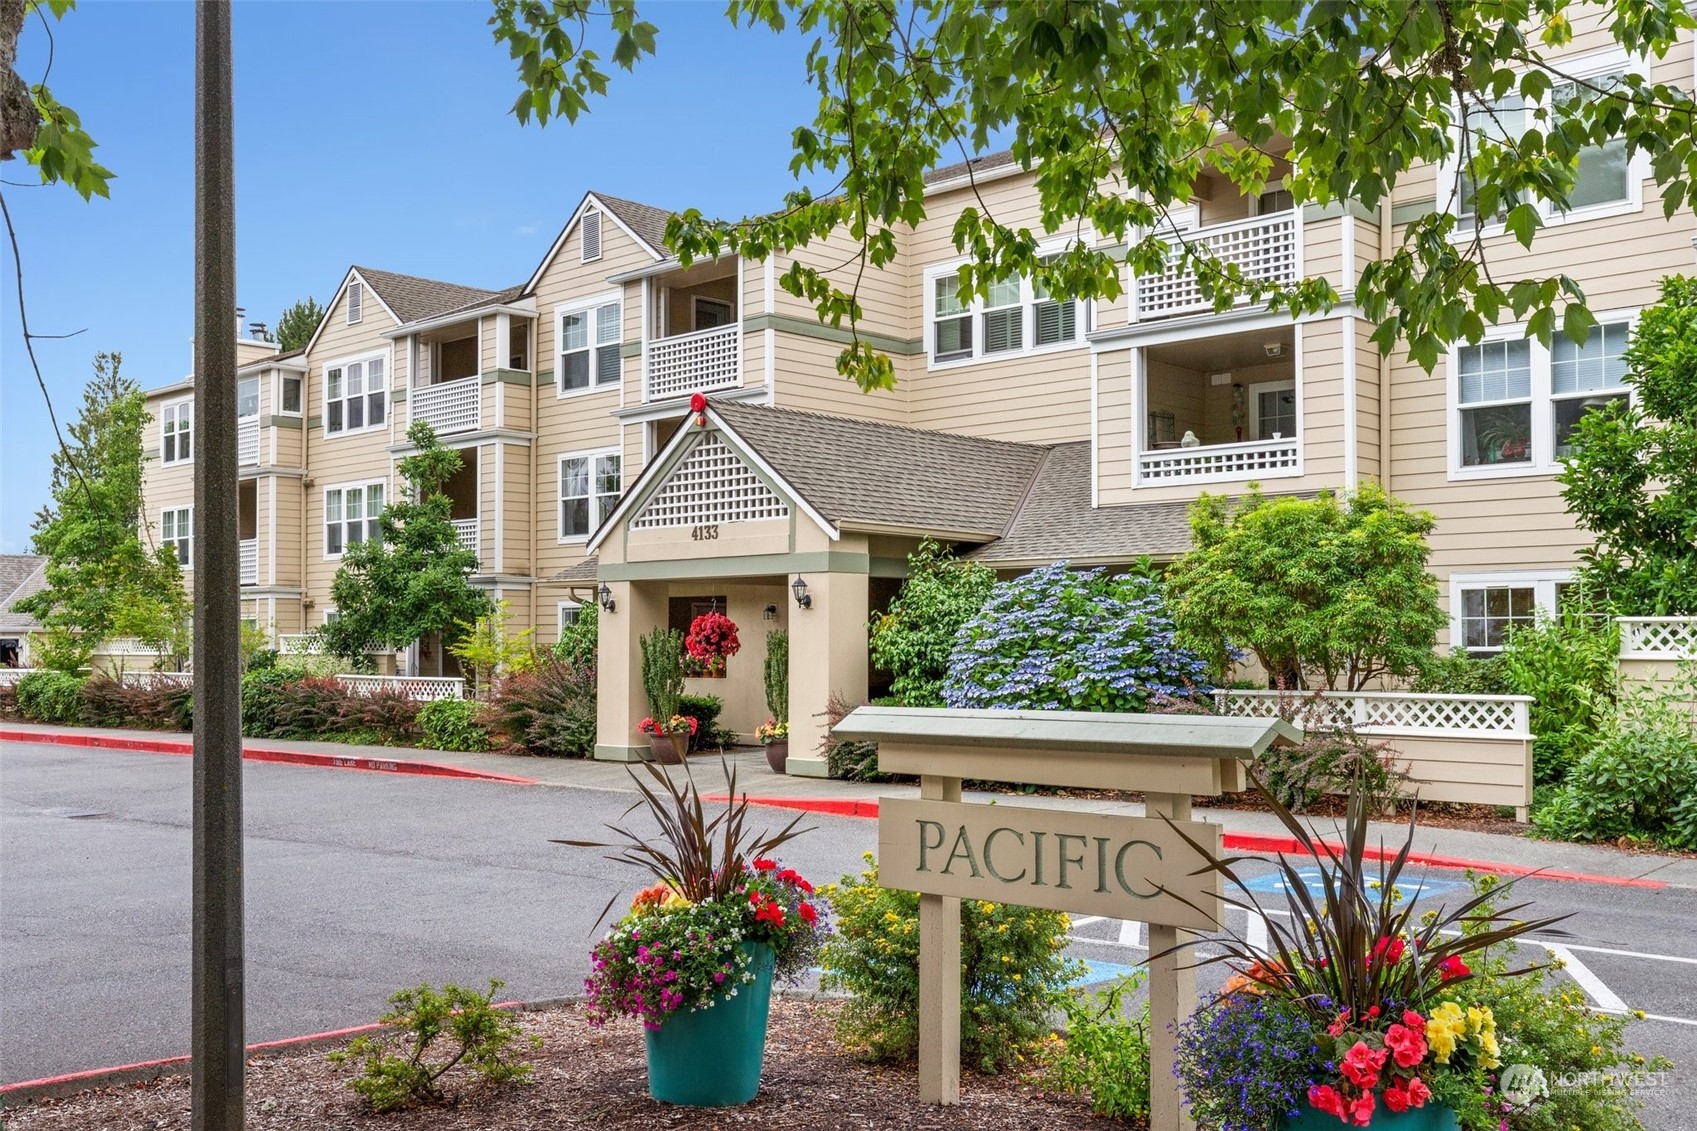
[(50, 697)]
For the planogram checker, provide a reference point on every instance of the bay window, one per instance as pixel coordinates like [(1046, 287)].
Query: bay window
[(355, 395)]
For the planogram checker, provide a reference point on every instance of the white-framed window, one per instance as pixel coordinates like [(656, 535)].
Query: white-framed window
[(1486, 607), (176, 430), (1514, 405), (589, 236), (567, 612), (176, 530), (350, 516), (1273, 410), (1018, 316), (331, 615), (589, 341), (289, 394), (589, 490), (247, 398), (710, 313), (1608, 181), (356, 302), (356, 395)]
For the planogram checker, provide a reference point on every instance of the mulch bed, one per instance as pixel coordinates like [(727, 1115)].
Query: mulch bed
[(595, 1078)]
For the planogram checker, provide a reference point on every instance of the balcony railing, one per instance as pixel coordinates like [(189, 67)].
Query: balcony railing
[(1263, 247), (1658, 638), (468, 530), (247, 441), (249, 550), (694, 363), (453, 406), (1218, 461)]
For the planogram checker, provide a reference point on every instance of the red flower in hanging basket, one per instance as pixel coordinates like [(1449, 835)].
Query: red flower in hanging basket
[(712, 636)]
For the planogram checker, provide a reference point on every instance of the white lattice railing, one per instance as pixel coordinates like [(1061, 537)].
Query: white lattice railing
[(1390, 712), (453, 406), (1263, 247), (10, 676), (297, 644), (157, 679), (1218, 461), (248, 549), (469, 531), (418, 687), (247, 441), (1658, 638), (693, 363)]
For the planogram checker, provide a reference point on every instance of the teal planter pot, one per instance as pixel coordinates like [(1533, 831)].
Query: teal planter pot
[(711, 1057), (1432, 1117)]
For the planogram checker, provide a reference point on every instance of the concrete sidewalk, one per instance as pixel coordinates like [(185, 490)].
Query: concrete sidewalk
[(1246, 831)]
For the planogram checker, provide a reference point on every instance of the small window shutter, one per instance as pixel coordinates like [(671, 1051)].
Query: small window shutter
[(1056, 322), (1002, 330), (356, 302), (590, 232)]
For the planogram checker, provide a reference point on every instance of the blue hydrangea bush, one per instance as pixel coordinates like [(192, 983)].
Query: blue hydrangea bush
[(1078, 640)]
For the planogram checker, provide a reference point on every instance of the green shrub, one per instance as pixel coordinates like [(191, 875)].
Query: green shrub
[(391, 715), (704, 709), (398, 1069), (8, 701), (663, 671), (1012, 968), (848, 761), (579, 639), (1103, 1054), (1544, 1022), (262, 696), (551, 710), (314, 707), (912, 641), (1569, 665), (776, 675), (453, 724), (1330, 759), (1457, 673), (50, 697), (1638, 781)]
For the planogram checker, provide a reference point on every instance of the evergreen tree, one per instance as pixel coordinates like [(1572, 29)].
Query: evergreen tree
[(297, 324)]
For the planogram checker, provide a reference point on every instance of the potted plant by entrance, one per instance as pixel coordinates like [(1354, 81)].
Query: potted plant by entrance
[(695, 957), (1352, 1012), (712, 639), (663, 684), (775, 734), (775, 737)]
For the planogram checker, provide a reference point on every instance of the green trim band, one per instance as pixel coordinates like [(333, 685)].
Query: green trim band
[(545, 377), (1411, 210), (154, 453), (398, 396), (1312, 213), (630, 349), (754, 565), (315, 423), (280, 422), (802, 328), (505, 376)]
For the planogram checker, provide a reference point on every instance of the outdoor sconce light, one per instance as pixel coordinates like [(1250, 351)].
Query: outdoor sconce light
[(802, 600), (770, 612), (606, 595)]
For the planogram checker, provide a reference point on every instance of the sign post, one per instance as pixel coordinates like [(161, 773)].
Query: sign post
[(1134, 868)]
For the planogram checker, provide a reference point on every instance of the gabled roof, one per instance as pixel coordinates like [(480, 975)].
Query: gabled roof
[(642, 222), (20, 576), (411, 298), (984, 163)]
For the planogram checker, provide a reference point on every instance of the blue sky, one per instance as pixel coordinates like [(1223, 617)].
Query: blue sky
[(366, 132)]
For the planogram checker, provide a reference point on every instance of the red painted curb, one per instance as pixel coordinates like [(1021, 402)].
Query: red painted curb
[(1255, 842), (267, 754)]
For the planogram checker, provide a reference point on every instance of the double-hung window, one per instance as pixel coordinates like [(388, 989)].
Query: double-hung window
[(350, 516), (589, 346), (355, 395), (176, 427), (1016, 316), (1502, 122), (589, 490), (1518, 405), (289, 395), (247, 398), (176, 530), (1604, 176)]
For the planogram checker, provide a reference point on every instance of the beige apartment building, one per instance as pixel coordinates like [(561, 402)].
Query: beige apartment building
[(1024, 429)]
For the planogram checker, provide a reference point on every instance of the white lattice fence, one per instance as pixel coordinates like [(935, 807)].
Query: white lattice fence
[(1658, 638), (695, 363), (247, 441), (453, 406), (1224, 460), (711, 485), (1390, 712), (422, 688), (10, 676), (1264, 247), (248, 559), (157, 680)]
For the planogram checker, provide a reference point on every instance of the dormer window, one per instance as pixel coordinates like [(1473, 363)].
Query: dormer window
[(356, 302), (590, 233)]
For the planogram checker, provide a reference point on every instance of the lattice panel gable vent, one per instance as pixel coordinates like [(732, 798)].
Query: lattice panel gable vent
[(712, 484)]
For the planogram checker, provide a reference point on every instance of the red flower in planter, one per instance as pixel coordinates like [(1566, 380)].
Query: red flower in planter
[(1324, 1097), (1453, 967)]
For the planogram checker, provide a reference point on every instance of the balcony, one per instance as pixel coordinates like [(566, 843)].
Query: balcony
[(249, 558), (452, 406), (247, 441), (1223, 407), (1263, 247), (1219, 461), (469, 531), (699, 362)]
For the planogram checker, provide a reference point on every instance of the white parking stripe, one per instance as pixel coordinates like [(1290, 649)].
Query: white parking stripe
[(1131, 933), (1604, 997), (1256, 935)]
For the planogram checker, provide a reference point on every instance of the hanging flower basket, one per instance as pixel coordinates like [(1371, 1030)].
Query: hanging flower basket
[(712, 639)]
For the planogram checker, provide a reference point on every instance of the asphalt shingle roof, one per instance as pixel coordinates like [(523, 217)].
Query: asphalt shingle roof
[(413, 298), (1057, 523), (583, 571), (859, 471), (647, 221), (20, 576), (983, 163)]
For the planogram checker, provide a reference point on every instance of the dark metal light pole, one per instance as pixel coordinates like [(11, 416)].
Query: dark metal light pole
[(218, 1042)]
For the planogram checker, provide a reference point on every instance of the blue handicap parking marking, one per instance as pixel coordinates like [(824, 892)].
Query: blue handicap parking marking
[(1095, 973), (1420, 887)]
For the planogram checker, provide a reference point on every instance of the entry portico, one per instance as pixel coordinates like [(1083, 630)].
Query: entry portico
[(793, 518)]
